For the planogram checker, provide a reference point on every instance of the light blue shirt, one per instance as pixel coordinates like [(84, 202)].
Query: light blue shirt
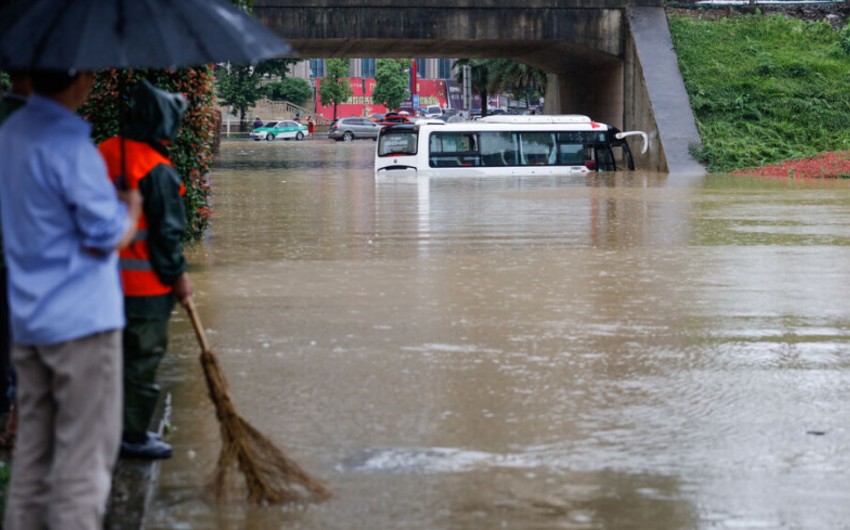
[(61, 220)]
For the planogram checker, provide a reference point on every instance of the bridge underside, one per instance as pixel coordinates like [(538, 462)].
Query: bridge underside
[(591, 54), (552, 56)]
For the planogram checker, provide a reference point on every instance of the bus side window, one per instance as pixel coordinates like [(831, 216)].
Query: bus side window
[(572, 154), (497, 149), (537, 149), (453, 150)]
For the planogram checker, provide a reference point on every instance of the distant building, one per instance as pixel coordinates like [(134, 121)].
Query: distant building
[(425, 68), (435, 85)]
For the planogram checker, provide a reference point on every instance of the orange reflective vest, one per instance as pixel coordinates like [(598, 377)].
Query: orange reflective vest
[(137, 275)]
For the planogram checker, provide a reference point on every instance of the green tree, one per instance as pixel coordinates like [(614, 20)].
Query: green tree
[(292, 89), (479, 70), (275, 67), (391, 82), (334, 89), (238, 86)]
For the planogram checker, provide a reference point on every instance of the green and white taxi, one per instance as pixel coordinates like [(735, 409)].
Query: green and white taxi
[(283, 129)]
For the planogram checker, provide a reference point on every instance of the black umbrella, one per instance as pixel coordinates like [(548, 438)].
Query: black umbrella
[(90, 35)]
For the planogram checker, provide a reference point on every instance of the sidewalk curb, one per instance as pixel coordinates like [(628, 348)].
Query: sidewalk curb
[(134, 485)]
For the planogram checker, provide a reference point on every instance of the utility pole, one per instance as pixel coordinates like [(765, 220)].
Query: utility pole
[(414, 95)]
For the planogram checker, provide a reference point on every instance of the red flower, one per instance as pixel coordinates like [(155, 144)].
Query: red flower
[(834, 164)]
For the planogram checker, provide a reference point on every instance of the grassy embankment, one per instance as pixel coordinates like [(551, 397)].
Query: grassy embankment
[(765, 88)]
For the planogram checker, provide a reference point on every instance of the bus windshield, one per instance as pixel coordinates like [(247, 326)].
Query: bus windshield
[(397, 142)]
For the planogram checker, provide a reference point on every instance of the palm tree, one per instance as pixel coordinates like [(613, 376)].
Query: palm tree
[(501, 75), (520, 79), (479, 70)]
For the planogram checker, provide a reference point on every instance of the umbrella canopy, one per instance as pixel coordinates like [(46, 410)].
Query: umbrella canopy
[(89, 35)]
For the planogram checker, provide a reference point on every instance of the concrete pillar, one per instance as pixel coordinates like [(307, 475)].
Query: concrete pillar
[(657, 100), (552, 98), (596, 92)]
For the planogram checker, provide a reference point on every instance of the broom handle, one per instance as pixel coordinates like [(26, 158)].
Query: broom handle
[(196, 323)]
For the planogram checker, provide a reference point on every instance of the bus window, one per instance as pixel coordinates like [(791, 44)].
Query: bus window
[(453, 142), (453, 150), (537, 149), (571, 154), (401, 142), (498, 149)]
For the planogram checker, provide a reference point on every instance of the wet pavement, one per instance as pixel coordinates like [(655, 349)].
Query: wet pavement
[(620, 351)]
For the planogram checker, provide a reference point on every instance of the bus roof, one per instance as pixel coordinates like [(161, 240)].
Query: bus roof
[(542, 119), (571, 122)]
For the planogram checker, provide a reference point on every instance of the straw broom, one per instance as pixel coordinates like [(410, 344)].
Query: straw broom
[(270, 476)]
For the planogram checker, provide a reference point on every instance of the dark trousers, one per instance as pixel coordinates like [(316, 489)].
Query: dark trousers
[(145, 341)]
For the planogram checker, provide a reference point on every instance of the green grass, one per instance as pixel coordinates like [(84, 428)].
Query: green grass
[(764, 88)]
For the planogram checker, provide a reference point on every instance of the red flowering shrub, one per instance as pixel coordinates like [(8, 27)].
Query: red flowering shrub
[(192, 153), (834, 164)]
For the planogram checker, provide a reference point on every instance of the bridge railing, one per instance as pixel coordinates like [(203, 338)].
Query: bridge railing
[(745, 3)]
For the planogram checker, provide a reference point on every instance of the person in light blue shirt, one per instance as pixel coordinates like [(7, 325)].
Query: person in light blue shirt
[(62, 221)]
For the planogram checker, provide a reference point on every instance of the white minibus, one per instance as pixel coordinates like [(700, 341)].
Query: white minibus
[(505, 145)]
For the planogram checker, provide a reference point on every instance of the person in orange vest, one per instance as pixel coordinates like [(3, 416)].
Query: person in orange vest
[(153, 269)]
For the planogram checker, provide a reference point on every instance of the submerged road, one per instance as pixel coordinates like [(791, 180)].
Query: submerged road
[(607, 352)]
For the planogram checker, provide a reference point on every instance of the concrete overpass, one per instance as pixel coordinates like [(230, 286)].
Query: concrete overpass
[(610, 59)]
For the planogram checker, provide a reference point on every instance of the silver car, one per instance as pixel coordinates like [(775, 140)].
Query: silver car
[(347, 129)]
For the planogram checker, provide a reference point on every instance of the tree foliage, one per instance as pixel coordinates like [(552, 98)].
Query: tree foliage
[(391, 82), (334, 89), (238, 86), (292, 89), (518, 79), (275, 67), (489, 76)]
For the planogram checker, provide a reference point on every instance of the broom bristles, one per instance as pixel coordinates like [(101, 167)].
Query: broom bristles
[(270, 476)]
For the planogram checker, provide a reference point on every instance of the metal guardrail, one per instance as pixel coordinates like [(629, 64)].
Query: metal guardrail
[(738, 3)]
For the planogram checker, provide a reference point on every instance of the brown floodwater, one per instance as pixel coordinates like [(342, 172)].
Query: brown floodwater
[(619, 351)]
